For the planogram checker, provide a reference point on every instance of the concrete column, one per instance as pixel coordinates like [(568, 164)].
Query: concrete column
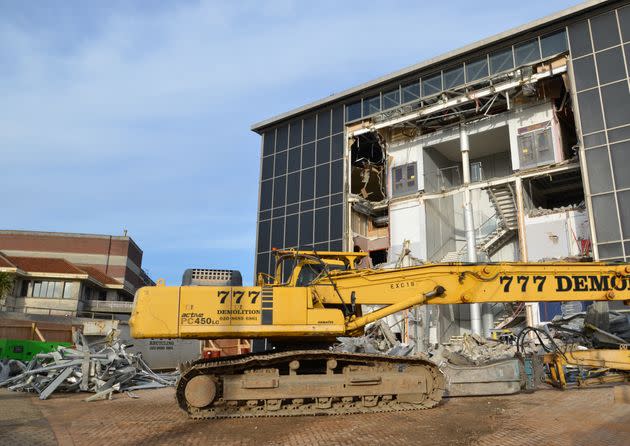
[(532, 313), (469, 224)]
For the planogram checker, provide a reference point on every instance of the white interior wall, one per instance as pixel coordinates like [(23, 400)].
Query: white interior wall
[(403, 154), (407, 221), (554, 235)]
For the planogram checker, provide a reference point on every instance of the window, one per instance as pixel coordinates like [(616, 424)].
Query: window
[(476, 70), (70, 290), (432, 85), (501, 61), (353, 111), (476, 172), (553, 43), (535, 146), (404, 180), (527, 52), (391, 99), (411, 92), (453, 78), (371, 105)]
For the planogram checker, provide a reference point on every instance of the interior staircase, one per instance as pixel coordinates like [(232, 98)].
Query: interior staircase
[(503, 199)]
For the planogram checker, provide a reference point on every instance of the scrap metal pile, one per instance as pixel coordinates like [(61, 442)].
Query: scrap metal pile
[(101, 367)]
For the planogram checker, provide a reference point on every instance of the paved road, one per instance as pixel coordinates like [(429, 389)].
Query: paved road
[(547, 417)]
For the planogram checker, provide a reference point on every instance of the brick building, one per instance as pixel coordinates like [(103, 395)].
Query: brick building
[(74, 274)]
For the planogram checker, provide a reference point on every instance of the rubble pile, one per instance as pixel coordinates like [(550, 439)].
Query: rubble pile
[(378, 338), (102, 368), (471, 349)]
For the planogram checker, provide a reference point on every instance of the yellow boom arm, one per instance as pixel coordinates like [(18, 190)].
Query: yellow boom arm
[(330, 305)]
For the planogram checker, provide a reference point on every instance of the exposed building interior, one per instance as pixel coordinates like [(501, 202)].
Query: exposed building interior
[(502, 149)]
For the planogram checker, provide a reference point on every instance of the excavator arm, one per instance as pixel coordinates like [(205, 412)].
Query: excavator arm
[(330, 304)]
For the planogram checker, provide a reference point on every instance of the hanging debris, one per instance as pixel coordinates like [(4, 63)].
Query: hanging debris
[(102, 367)]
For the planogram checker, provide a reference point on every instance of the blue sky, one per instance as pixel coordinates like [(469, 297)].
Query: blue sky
[(136, 114)]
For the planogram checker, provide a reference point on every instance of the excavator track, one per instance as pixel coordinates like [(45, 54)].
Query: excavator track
[(308, 382)]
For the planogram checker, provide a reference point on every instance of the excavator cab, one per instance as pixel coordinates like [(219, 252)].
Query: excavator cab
[(301, 268)]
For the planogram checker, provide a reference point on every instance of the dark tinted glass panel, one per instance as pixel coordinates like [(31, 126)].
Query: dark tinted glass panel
[(321, 225), (584, 70), (453, 78), (553, 44), (527, 52), (501, 61), (411, 92), (337, 146), (295, 157), (336, 222), (391, 99), (323, 124), (293, 188), (264, 215), (293, 208), (336, 245), (594, 140), (278, 212), (476, 69), (624, 208), (336, 174), (609, 250), (322, 202), (308, 155), (432, 85), (282, 138), (321, 246), (323, 180), (279, 190), (590, 111), (262, 263), (306, 205), (323, 150), (371, 105), (619, 134), (337, 119), (616, 98), (307, 184), (291, 231), (280, 164), (263, 235), (610, 65), (353, 111), (267, 167), (306, 228), (599, 170), (336, 199), (268, 142), (626, 50), (295, 133), (605, 32), (606, 224), (580, 39), (266, 188), (624, 23), (620, 155), (277, 233), (308, 130)]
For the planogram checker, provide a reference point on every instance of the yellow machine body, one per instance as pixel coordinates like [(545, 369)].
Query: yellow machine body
[(323, 293)]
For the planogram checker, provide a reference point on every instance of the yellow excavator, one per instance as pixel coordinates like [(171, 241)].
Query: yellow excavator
[(315, 297)]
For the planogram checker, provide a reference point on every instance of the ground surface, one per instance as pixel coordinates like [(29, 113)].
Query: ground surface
[(549, 417)]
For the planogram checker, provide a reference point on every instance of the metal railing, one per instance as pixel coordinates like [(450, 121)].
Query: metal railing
[(107, 306)]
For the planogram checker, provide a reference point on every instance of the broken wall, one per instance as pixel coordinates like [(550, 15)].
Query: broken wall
[(556, 235)]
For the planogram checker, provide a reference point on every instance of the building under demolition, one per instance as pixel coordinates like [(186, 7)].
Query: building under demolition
[(513, 148)]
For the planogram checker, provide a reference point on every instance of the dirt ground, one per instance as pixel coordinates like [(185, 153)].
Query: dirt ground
[(547, 417)]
